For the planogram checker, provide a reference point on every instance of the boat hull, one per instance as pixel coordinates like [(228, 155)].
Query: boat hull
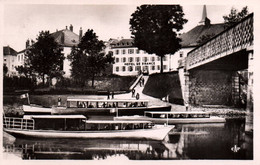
[(36, 110), (212, 119), (156, 133), (108, 111)]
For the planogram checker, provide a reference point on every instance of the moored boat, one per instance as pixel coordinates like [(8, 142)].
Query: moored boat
[(113, 107), (174, 117), (76, 126)]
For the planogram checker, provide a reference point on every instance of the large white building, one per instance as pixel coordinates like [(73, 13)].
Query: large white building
[(10, 60), (129, 60), (65, 38)]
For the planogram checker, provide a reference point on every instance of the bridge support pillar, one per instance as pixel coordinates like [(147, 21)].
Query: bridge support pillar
[(250, 101)]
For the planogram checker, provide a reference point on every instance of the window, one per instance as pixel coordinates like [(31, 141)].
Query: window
[(164, 67), (117, 69), (123, 59), (117, 59), (123, 51), (153, 67), (137, 59), (181, 53), (137, 51), (137, 68), (19, 58), (158, 67), (152, 58), (158, 58), (130, 51), (130, 59), (117, 51), (164, 58), (145, 59), (130, 68), (123, 68)]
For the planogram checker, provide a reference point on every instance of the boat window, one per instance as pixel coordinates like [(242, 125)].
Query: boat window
[(122, 104), (72, 104), (142, 104), (90, 105), (81, 104)]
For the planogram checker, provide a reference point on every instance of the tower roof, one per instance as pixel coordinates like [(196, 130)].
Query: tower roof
[(204, 15)]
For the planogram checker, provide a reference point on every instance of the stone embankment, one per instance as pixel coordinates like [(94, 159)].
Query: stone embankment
[(223, 111)]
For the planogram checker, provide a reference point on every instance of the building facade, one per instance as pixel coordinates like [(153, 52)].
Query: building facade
[(66, 38), (129, 60), (10, 60)]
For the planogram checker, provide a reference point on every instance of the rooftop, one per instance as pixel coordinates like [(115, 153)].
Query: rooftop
[(66, 38), (190, 38), (9, 51)]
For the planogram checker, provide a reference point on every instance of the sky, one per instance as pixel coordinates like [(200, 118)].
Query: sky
[(25, 21)]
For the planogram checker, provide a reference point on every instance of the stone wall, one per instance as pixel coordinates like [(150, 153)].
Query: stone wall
[(210, 87)]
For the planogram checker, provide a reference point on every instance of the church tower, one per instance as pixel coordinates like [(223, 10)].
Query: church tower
[(204, 19)]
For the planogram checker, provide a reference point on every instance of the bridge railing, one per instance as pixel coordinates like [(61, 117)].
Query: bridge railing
[(233, 39)]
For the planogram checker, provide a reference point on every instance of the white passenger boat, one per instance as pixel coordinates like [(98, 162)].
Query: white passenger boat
[(174, 117), (36, 109), (113, 107), (76, 126)]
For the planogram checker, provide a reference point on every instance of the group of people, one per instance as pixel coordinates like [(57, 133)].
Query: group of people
[(112, 94), (137, 96)]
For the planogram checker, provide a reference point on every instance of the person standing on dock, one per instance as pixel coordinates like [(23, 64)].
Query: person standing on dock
[(112, 95), (137, 96), (108, 94), (133, 92), (186, 106), (143, 81)]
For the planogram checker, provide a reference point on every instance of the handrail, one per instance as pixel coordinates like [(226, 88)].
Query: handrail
[(18, 123)]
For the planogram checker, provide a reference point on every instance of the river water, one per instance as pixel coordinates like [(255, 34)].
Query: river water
[(186, 141)]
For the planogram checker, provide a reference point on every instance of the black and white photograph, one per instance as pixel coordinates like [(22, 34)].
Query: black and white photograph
[(132, 82)]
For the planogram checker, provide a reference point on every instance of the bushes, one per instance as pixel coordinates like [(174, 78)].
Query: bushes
[(14, 83)]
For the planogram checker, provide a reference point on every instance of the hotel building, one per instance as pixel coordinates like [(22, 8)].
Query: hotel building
[(129, 60)]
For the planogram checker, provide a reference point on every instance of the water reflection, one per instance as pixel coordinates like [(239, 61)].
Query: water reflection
[(188, 141)]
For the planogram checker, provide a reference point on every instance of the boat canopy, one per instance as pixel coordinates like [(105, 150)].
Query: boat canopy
[(115, 122), (56, 117), (105, 100), (190, 112)]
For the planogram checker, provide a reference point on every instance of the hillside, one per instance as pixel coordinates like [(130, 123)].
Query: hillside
[(161, 85)]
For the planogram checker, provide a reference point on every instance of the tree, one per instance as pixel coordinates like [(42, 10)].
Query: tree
[(23, 70), (88, 59), (44, 57), (5, 69), (235, 16), (154, 29)]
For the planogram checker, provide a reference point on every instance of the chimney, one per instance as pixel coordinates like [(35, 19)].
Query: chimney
[(27, 43), (80, 33), (71, 28)]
